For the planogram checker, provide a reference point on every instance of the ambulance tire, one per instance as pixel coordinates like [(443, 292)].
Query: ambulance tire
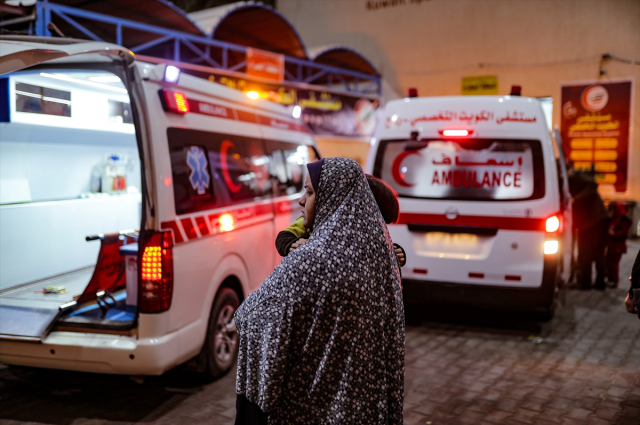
[(220, 349)]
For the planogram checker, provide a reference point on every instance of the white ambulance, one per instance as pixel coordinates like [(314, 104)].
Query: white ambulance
[(484, 204), (138, 207)]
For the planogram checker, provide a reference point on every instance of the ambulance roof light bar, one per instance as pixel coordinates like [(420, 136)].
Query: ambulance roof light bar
[(412, 92), (456, 133)]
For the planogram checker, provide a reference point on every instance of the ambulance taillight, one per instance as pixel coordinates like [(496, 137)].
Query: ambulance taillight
[(156, 272), (553, 226), (174, 101)]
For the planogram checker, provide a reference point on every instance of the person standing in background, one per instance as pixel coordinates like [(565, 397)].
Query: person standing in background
[(632, 302), (617, 240), (591, 221)]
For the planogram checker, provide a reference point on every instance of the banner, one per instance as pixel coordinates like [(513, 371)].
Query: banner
[(325, 112), (594, 125), (267, 65)]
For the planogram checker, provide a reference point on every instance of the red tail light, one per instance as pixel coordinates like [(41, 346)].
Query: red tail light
[(553, 224), (175, 101), (156, 272)]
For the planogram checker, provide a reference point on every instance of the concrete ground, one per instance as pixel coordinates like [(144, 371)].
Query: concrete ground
[(462, 367)]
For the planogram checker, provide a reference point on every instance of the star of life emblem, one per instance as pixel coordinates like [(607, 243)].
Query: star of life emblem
[(198, 164)]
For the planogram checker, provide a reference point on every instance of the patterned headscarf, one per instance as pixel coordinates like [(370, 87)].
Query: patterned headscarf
[(322, 339)]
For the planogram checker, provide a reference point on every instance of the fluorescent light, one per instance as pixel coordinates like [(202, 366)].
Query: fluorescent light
[(106, 79), (85, 82), (296, 112), (24, 93), (171, 74), (48, 99), (550, 247)]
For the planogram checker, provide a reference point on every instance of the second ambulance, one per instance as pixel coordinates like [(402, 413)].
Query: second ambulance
[(485, 211)]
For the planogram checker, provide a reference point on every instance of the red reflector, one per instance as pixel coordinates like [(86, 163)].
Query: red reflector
[(456, 133), (476, 275), (513, 277), (176, 101), (156, 272), (420, 271)]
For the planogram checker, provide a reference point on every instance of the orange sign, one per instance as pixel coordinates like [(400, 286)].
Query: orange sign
[(266, 65), (594, 124)]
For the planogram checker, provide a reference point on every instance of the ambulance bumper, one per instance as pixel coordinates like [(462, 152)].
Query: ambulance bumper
[(97, 353), (538, 299)]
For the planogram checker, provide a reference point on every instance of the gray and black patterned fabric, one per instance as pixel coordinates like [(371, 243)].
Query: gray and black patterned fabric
[(322, 340)]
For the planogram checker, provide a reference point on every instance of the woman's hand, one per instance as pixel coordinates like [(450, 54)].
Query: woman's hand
[(298, 243), (400, 255), (630, 305)]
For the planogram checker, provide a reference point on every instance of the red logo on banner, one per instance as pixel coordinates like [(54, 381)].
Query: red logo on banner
[(266, 65)]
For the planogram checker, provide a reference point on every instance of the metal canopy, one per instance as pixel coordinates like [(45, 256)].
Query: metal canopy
[(343, 57), (253, 25), (159, 13), (158, 29)]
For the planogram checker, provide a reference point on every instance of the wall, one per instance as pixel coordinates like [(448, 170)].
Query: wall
[(537, 44)]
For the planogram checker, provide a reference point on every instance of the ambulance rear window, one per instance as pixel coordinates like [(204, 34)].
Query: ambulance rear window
[(476, 169)]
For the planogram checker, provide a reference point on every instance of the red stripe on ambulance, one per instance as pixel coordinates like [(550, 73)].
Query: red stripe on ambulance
[(177, 234), (189, 228), (504, 223)]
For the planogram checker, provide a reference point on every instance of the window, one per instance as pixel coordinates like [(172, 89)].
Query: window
[(212, 170), (120, 112), (42, 100), (476, 169), (287, 166)]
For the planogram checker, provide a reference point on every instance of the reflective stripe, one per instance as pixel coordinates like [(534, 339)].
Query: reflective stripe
[(504, 223)]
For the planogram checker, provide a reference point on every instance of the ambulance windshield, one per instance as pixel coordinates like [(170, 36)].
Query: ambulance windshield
[(478, 169)]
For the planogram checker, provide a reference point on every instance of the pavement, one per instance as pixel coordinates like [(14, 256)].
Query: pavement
[(462, 367)]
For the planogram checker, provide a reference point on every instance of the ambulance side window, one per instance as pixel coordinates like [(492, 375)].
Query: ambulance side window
[(287, 166), (213, 170), (192, 186)]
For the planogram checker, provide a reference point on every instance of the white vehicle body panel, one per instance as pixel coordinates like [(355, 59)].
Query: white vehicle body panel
[(513, 257), (202, 260)]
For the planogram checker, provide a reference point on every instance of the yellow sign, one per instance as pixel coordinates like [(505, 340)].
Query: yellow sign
[(480, 85)]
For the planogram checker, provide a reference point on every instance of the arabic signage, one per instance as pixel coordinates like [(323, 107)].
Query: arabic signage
[(384, 4), (479, 85), (445, 170), (325, 112), (267, 65), (464, 117), (595, 129)]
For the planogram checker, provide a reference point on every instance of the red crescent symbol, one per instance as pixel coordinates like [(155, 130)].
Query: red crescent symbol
[(395, 168), (225, 167)]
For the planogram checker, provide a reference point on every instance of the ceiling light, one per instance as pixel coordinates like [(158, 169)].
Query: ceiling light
[(84, 82)]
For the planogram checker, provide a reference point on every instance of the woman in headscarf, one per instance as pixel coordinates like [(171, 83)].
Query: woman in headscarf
[(322, 340)]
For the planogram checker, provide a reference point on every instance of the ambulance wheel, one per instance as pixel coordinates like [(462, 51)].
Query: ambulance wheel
[(221, 345)]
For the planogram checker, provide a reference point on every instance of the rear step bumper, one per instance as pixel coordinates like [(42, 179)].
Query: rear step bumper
[(485, 296), (98, 353)]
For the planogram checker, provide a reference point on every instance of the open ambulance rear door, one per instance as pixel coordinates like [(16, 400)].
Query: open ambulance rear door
[(26, 312)]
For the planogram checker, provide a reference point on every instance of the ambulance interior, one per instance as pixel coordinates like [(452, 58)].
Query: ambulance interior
[(70, 181)]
